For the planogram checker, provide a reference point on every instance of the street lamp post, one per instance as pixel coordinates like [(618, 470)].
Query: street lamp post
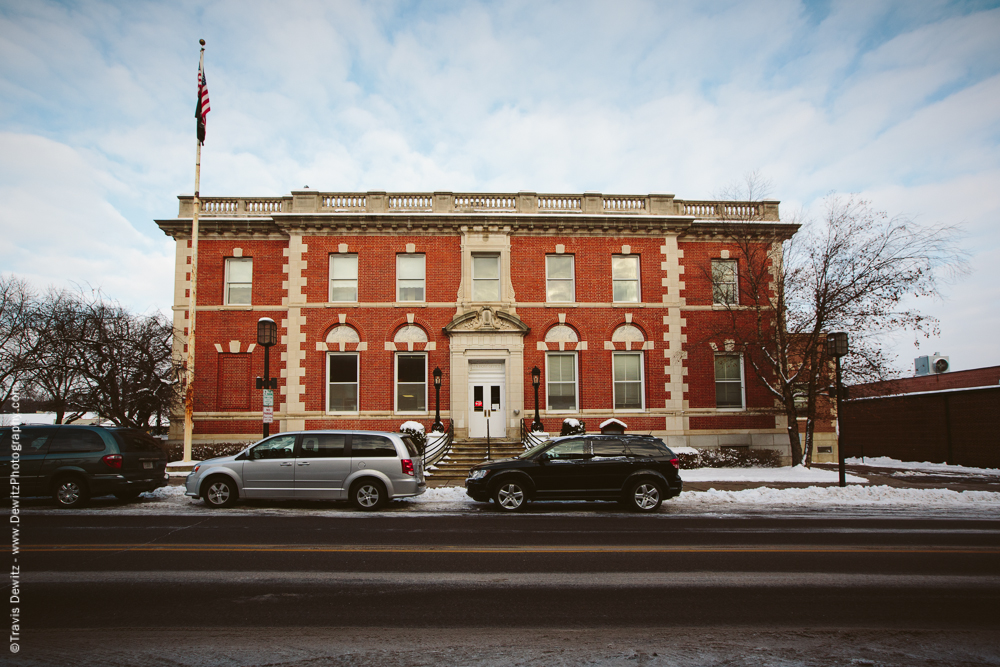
[(536, 379), (267, 336), (837, 345), (437, 427)]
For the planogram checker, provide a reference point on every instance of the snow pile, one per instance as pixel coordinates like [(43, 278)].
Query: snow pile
[(411, 426), (796, 474), (886, 462), (835, 495), (444, 494), (165, 492)]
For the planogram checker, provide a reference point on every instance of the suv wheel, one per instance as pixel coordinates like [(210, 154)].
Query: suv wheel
[(510, 496), (220, 492), (369, 495), (644, 495), (70, 492)]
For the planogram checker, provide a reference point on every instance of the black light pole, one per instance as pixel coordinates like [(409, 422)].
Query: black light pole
[(837, 346), (437, 427), (267, 336), (536, 379)]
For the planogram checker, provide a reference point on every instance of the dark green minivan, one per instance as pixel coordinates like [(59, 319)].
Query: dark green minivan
[(74, 463)]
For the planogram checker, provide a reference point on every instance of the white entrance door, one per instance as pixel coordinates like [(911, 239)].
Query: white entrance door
[(487, 399)]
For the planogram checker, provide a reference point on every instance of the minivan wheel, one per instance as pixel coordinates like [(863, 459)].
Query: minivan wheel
[(510, 496), (369, 495), (70, 492), (644, 496), (220, 492)]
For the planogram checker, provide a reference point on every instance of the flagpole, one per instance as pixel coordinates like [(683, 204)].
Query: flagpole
[(193, 292)]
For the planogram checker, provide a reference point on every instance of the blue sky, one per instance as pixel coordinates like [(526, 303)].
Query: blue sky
[(896, 101)]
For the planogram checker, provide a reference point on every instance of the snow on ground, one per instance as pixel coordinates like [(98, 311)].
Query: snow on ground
[(796, 474), (848, 495), (886, 462), (449, 499)]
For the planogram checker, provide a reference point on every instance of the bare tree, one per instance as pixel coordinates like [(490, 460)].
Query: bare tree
[(58, 323), (127, 363), (851, 271), (17, 344)]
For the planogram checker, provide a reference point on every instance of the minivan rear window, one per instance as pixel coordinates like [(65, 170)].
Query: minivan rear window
[(371, 445), (137, 441), (76, 440), (411, 447)]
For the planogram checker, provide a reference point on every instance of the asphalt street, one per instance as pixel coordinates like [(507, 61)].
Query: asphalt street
[(235, 576)]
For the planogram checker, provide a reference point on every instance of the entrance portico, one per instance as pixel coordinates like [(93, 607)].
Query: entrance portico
[(487, 373)]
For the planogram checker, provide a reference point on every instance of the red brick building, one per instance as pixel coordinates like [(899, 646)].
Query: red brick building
[(373, 291)]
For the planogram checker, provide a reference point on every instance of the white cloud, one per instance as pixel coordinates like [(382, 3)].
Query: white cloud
[(899, 102)]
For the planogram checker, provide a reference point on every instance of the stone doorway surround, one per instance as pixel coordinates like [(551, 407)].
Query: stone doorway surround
[(480, 336)]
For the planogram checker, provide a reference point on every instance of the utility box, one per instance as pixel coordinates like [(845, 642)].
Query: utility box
[(932, 364)]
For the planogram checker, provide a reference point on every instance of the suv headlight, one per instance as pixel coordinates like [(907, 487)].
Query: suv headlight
[(478, 474)]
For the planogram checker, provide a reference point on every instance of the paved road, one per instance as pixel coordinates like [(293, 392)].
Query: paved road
[(589, 574)]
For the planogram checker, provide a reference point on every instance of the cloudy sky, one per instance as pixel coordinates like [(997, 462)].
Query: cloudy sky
[(896, 101)]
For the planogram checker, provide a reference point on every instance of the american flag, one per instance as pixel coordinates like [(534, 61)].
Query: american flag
[(201, 111)]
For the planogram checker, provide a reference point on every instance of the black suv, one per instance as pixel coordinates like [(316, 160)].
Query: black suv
[(73, 463), (638, 471)]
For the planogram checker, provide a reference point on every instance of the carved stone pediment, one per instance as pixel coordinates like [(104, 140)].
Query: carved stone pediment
[(486, 320)]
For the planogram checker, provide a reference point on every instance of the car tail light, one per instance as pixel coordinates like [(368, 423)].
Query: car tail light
[(676, 463), (407, 466), (113, 460)]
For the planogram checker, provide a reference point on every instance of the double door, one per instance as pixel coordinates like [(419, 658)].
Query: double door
[(487, 399)]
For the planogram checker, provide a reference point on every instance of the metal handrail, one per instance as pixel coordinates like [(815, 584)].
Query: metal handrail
[(528, 437), (441, 447)]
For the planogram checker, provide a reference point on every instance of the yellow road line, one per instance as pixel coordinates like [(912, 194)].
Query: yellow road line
[(519, 549)]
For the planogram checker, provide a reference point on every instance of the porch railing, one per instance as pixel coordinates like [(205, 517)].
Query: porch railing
[(437, 450), (528, 438)]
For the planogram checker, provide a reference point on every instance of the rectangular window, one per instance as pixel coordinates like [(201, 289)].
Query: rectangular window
[(342, 382), (625, 278), (560, 387), (485, 277), (410, 274), (559, 282), (343, 277), (411, 383), (628, 380), (239, 278), (725, 287), (729, 381)]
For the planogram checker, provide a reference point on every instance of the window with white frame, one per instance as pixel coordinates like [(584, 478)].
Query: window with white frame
[(560, 382), (559, 278), (625, 278), (343, 277), (411, 271), (729, 381), (627, 369), (725, 287), (411, 382), (486, 277), (342, 382), (239, 280)]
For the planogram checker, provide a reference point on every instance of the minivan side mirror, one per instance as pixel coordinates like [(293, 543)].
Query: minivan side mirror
[(543, 457)]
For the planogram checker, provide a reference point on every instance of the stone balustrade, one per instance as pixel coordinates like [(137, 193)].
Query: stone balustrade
[(587, 204)]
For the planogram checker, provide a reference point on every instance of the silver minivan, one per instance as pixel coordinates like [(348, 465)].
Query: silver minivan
[(369, 468)]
